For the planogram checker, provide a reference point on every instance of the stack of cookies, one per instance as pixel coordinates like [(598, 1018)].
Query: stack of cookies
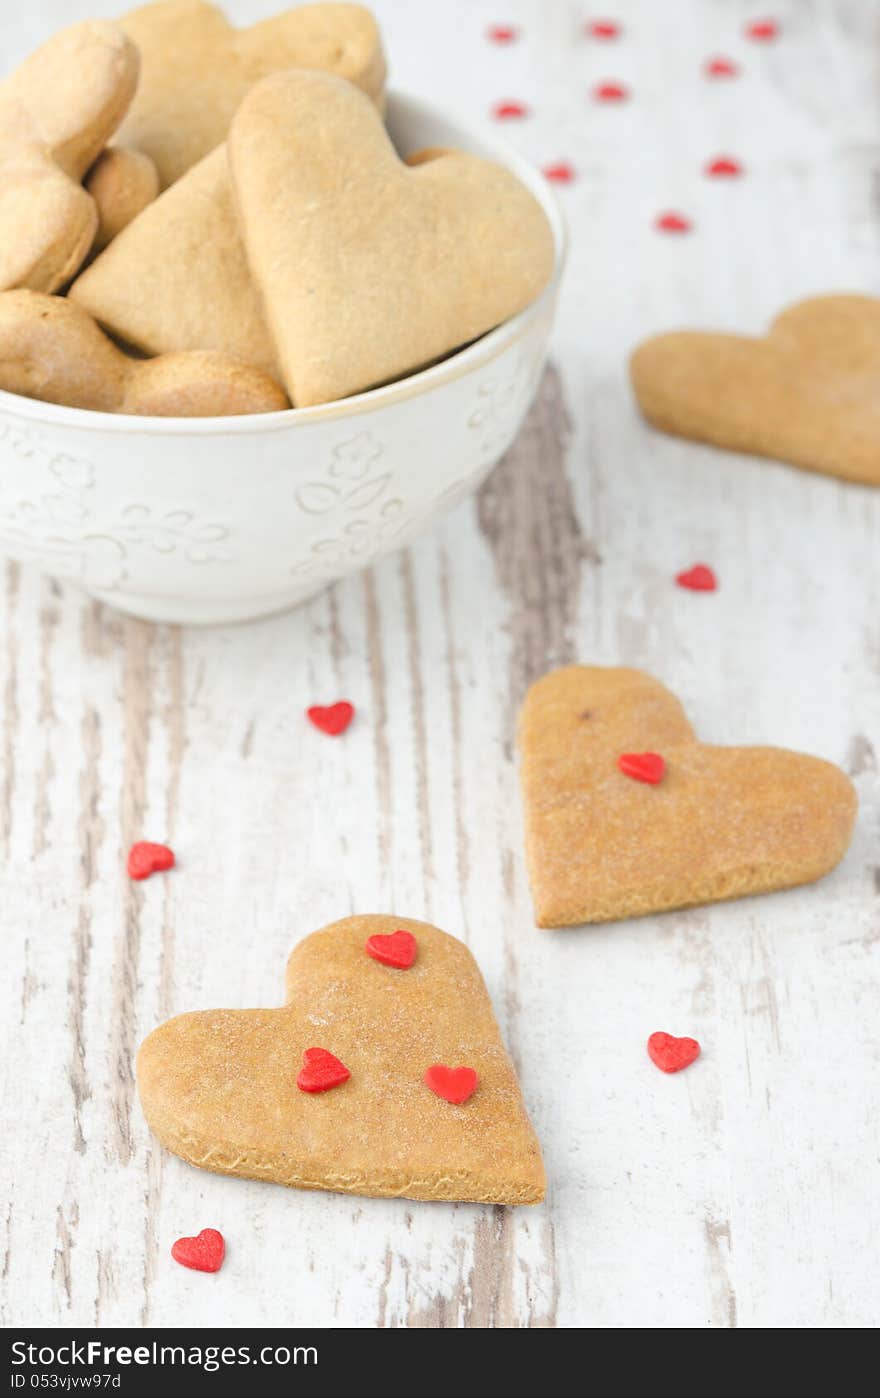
[(201, 220)]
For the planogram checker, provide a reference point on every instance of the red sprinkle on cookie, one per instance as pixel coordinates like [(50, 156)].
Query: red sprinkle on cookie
[(602, 29), (454, 1085), (320, 1071), (720, 68), (723, 166), (700, 578), (561, 173), (396, 949), (672, 222), (334, 719), (642, 766), (509, 111), (762, 29), (671, 1054), (145, 859), (204, 1253), (610, 92), (502, 33)]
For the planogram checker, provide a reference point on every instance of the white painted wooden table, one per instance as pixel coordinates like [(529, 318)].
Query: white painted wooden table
[(744, 1192)]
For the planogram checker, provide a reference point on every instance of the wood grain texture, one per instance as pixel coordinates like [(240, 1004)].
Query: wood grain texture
[(743, 1192)]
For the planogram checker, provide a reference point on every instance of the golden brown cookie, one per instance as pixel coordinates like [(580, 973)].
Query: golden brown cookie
[(719, 823), (57, 111), (806, 394), (176, 278), (370, 269), (52, 350), (179, 280), (122, 183), (220, 1087), (196, 68)]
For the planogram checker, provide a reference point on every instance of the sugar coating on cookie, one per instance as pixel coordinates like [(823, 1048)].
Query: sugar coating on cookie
[(805, 394), (722, 823), (219, 1087)]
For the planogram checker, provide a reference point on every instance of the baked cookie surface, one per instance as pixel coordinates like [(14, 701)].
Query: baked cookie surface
[(219, 1087), (196, 67), (177, 278), (57, 111), (722, 822), (369, 269), (52, 350), (806, 394)]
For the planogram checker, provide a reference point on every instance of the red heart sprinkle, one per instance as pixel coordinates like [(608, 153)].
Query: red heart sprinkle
[(602, 29), (720, 68), (563, 173), (642, 766), (145, 859), (671, 1054), (509, 111), (672, 223), (455, 1085), (700, 578), (204, 1253), (334, 719), (724, 165), (502, 33), (396, 949), (610, 92), (320, 1071), (762, 29)]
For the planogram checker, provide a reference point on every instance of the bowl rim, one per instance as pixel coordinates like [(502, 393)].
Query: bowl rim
[(461, 362)]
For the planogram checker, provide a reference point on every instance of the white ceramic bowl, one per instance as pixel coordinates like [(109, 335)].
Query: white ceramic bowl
[(227, 519)]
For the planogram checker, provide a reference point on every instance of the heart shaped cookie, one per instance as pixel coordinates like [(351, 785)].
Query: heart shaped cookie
[(177, 279), (57, 111), (196, 67), (808, 394), (369, 268), (220, 1087), (52, 350), (722, 823)]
